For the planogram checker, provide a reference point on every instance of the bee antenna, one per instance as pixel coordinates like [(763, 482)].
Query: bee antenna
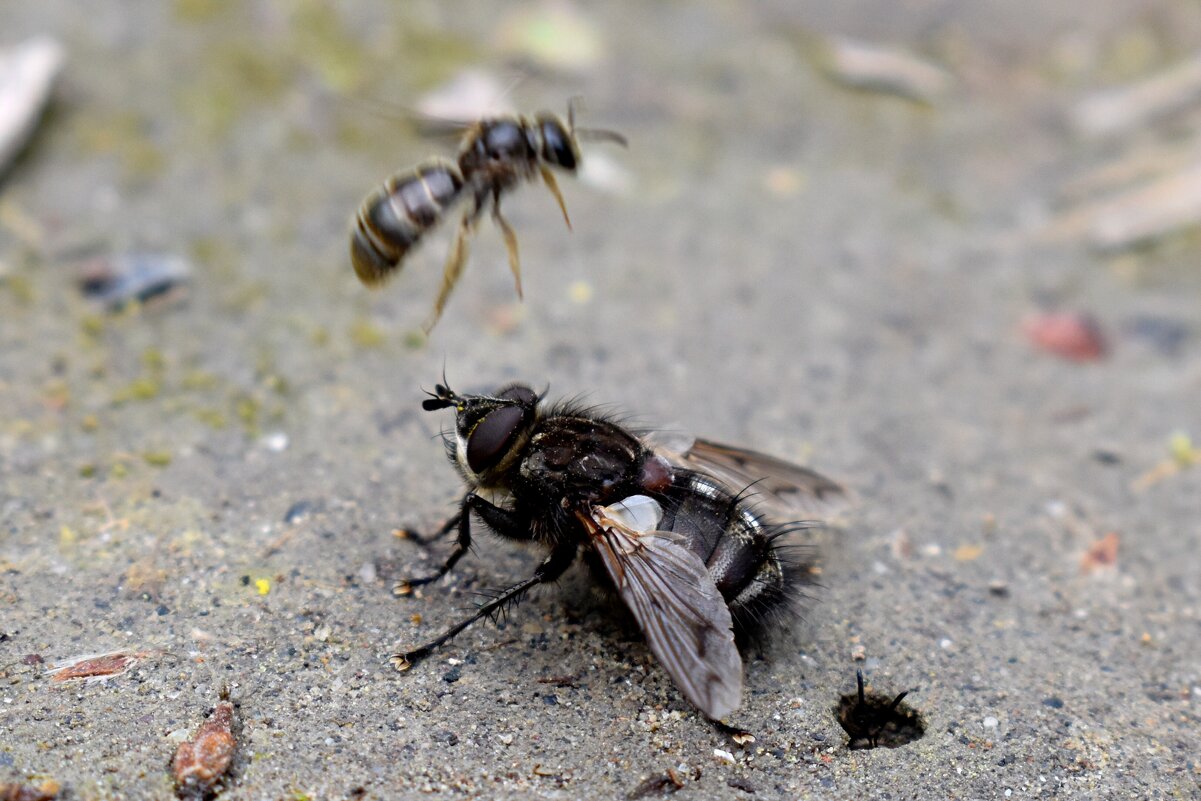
[(600, 135), (859, 679), (573, 102)]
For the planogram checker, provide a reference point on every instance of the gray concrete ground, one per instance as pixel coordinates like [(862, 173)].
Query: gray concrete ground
[(834, 275)]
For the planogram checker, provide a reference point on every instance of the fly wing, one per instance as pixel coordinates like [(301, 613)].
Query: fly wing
[(678, 607), (786, 491)]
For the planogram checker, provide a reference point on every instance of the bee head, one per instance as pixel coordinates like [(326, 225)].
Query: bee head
[(558, 143), (488, 428)]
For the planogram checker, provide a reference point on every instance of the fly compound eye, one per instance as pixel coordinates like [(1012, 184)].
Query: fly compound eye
[(520, 393), (556, 146), (493, 436)]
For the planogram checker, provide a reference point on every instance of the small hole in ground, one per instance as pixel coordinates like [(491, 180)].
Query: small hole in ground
[(874, 720)]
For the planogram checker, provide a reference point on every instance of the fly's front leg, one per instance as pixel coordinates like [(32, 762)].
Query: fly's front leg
[(502, 521), (405, 587), (425, 539), (551, 569), (463, 521)]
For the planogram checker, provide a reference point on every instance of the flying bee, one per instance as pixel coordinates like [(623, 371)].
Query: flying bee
[(674, 533), (495, 155)]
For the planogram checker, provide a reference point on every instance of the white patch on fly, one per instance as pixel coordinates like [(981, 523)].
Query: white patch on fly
[(461, 458), (637, 513)]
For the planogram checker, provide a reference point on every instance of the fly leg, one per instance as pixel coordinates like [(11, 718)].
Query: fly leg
[(402, 588), (551, 568), (510, 241), (425, 539), (500, 520)]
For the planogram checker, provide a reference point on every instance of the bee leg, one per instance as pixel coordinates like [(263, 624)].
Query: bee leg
[(551, 568), (510, 245), (453, 268), (548, 178)]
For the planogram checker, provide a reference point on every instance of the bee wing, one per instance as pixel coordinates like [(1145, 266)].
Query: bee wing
[(784, 490), (678, 607)]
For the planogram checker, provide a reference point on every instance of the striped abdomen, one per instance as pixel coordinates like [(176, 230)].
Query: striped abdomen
[(739, 548), (394, 217)]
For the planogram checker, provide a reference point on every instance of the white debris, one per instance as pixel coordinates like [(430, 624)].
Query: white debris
[(723, 756), (1129, 107), (878, 68)]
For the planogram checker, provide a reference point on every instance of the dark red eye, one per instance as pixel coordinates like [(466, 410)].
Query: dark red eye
[(492, 437), (520, 393)]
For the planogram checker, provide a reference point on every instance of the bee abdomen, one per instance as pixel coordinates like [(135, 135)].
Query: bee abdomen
[(395, 217)]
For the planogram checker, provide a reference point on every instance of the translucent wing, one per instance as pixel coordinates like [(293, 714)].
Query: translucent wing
[(674, 600), (784, 490)]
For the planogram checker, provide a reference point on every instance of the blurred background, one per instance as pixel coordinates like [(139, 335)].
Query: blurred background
[(944, 252)]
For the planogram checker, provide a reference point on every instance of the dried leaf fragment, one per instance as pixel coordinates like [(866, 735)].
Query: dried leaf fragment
[(661, 784), (46, 791), (878, 68), (1070, 335), (1129, 107), (201, 763), (1101, 554), (95, 667)]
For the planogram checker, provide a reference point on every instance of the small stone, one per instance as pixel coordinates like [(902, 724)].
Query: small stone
[(276, 442), (991, 723)]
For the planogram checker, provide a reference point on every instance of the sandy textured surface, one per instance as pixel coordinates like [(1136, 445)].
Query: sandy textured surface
[(833, 275)]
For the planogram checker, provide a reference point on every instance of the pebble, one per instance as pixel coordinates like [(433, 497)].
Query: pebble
[(276, 442), (127, 278)]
